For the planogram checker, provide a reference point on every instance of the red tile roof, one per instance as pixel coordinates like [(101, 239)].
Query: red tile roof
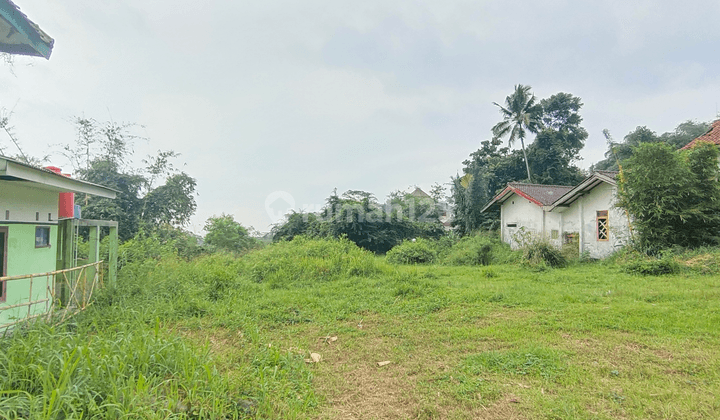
[(542, 195), (713, 136)]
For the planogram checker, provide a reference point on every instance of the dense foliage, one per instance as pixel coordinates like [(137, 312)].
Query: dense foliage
[(224, 233), (673, 197), (359, 217), (102, 154), (618, 152)]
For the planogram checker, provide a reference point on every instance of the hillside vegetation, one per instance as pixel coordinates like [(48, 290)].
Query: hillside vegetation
[(234, 337)]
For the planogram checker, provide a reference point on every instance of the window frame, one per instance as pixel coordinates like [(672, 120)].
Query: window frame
[(602, 223), (48, 237)]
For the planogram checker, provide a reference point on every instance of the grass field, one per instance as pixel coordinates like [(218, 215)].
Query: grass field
[(494, 342)]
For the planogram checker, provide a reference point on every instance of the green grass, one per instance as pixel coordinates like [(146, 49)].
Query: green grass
[(228, 338)]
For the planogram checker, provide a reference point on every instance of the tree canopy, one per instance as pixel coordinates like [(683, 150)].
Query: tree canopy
[(673, 196), (102, 154), (521, 113)]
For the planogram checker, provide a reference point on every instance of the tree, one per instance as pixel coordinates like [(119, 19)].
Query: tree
[(683, 134), (520, 114), (224, 233), (557, 147), (297, 224), (673, 196), (102, 153)]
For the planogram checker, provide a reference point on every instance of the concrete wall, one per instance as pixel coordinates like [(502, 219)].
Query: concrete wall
[(529, 218), (600, 198), (583, 213), (26, 203)]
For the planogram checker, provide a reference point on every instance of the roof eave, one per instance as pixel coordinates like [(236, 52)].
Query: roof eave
[(53, 181), (580, 189), (498, 199), (34, 41)]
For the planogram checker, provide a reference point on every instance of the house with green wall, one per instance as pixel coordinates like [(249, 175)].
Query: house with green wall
[(33, 238)]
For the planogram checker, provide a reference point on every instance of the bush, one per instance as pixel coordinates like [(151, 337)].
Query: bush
[(480, 249), (418, 251), (540, 254), (642, 264), (304, 261)]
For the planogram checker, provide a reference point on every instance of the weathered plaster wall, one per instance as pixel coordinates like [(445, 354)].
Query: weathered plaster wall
[(600, 198), (528, 215)]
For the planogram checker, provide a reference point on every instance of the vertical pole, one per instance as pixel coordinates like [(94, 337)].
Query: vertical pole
[(31, 298), (66, 253), (113, 255), (581, 240), (502, 223), (93, 257)]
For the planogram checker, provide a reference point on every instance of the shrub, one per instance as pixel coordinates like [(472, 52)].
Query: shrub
[(480, 249), (304, 260), (638, 263), (418, 251), (540, 254)]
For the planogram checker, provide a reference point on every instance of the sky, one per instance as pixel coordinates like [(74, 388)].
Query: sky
[(285, 100)]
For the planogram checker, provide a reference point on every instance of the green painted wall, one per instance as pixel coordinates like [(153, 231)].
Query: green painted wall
[(24, 258)]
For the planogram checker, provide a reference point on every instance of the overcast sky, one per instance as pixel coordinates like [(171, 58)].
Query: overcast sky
[(293, 99)]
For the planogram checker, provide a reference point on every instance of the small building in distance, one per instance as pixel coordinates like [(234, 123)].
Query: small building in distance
[(584, 215)]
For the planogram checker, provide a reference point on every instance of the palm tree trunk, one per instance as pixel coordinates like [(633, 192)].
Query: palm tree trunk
[(527, 166)]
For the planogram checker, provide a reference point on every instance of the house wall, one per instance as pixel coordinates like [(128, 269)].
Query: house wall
[(529, 218), (583, 212), (24, 202)]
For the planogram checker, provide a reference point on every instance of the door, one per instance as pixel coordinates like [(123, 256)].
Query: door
[(3, 261)]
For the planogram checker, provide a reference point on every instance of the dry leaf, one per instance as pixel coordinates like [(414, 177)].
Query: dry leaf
[(381, 364), (333, 339), (315, 357)]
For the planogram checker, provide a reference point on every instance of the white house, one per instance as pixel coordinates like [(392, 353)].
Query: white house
[(525, 210), (584, 214)]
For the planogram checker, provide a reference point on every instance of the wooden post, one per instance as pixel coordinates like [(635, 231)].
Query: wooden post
[(113, 255)]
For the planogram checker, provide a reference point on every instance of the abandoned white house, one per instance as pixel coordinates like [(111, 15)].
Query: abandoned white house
[(584, 214)]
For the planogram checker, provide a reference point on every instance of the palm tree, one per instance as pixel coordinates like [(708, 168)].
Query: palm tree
[(520, 113)]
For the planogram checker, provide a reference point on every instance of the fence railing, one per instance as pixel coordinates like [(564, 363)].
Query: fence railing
[(63, 293)]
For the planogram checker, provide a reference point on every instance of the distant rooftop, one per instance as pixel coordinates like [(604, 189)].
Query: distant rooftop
[(712, 135)]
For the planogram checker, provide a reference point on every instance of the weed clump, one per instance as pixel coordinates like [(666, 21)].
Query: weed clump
[(417, 251), (304, 261), (645, 265), (541, 254), (480, 249)]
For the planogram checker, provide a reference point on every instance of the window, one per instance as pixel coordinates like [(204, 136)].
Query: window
[(42, 236), (511, 225), (603, 232), (554, 234)]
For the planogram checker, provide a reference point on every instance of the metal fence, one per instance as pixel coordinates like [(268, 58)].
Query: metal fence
[(65, 293)]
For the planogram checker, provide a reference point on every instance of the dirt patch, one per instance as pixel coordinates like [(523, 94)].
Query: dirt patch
[(357, 388), (506, 408)]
